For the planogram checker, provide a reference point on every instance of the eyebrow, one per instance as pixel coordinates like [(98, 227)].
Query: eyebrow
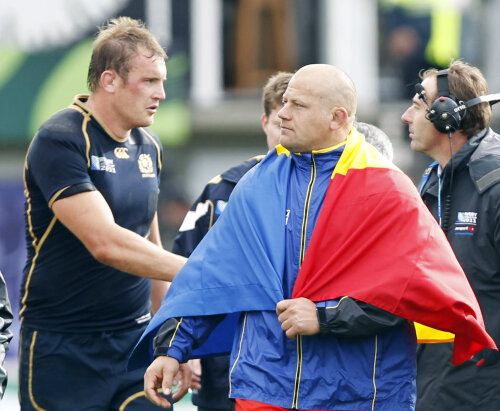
[(297, 100), (416, 100)]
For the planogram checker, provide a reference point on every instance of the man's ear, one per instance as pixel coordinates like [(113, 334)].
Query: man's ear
[(108, 80), (339, 116), (264, 121)]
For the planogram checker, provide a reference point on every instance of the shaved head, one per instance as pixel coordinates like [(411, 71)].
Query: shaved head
[(319, 107), (330, 84)]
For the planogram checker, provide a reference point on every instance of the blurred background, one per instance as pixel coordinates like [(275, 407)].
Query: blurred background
[(221, 52)]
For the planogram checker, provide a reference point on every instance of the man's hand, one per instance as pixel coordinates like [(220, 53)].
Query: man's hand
[(183, 381), (160, 374), (298, 317), (196, 377)]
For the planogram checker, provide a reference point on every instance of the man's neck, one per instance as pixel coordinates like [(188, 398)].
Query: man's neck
[(443, 154), (104, 113)]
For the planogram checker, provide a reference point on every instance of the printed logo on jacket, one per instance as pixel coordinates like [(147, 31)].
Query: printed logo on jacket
[(465, 223)]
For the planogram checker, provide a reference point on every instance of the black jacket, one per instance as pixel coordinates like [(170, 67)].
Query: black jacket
[(470, 215)]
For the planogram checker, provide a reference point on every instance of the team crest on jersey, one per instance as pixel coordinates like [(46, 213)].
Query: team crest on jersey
[(102, 164), (146, 165), (465, 223), (121, 152)]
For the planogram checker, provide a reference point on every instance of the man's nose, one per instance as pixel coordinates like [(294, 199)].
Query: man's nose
[(406, 116), (283, 113), (160, 93)]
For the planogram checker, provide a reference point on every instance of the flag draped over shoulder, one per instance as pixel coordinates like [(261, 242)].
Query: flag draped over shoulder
[(238, 265), (374, 241)]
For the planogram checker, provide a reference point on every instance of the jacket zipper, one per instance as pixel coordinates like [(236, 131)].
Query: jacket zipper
[(298, 372), (243, 328)]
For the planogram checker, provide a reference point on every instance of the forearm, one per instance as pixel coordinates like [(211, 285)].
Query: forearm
[(89, 218), (355, 319), (129, 252)]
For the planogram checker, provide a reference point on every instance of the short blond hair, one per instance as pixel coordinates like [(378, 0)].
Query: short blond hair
[(116, 43)]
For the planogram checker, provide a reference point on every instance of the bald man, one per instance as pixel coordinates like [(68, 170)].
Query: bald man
[(288, 351)]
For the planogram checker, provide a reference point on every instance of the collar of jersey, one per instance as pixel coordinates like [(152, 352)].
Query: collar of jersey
[(80, 101)]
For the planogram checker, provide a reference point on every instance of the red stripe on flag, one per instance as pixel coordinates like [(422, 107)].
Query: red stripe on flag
[(376, 241)]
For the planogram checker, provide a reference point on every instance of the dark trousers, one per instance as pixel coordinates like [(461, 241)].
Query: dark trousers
[(59, 371)]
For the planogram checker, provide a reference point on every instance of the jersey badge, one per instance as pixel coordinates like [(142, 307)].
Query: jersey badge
[(102, 164), (121, 152), (146, 165)]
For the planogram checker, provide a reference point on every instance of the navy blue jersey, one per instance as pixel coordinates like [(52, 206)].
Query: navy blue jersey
[(64, 287), (208, 207)]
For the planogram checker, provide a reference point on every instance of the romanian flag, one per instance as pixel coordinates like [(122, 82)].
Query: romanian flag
[(374, 241)]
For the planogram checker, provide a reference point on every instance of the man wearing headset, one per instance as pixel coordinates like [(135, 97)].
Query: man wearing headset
[(461, 188)]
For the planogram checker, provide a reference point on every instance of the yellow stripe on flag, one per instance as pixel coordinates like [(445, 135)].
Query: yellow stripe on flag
[(430, 335), (351, 158), (282, 150)]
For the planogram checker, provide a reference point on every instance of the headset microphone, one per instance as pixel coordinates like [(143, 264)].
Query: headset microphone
[(421, 93)]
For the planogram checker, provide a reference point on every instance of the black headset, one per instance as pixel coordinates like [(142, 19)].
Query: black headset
[(447, 113)]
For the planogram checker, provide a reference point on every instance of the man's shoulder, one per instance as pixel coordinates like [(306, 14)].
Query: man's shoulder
[(489, 144), (221, 186), (234, 174), (63, 123), (484, 163)]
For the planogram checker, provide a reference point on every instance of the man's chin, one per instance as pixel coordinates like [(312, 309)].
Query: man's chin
[(146, 122), (286, 145), (285, 142), (414, 146), (293, 149)]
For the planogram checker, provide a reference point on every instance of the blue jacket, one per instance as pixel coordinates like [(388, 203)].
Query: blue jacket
[(311, 372)]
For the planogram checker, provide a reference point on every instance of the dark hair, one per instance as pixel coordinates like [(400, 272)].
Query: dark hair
[(115, 45)]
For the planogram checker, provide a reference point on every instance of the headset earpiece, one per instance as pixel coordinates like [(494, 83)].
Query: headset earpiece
[(446, 114)]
